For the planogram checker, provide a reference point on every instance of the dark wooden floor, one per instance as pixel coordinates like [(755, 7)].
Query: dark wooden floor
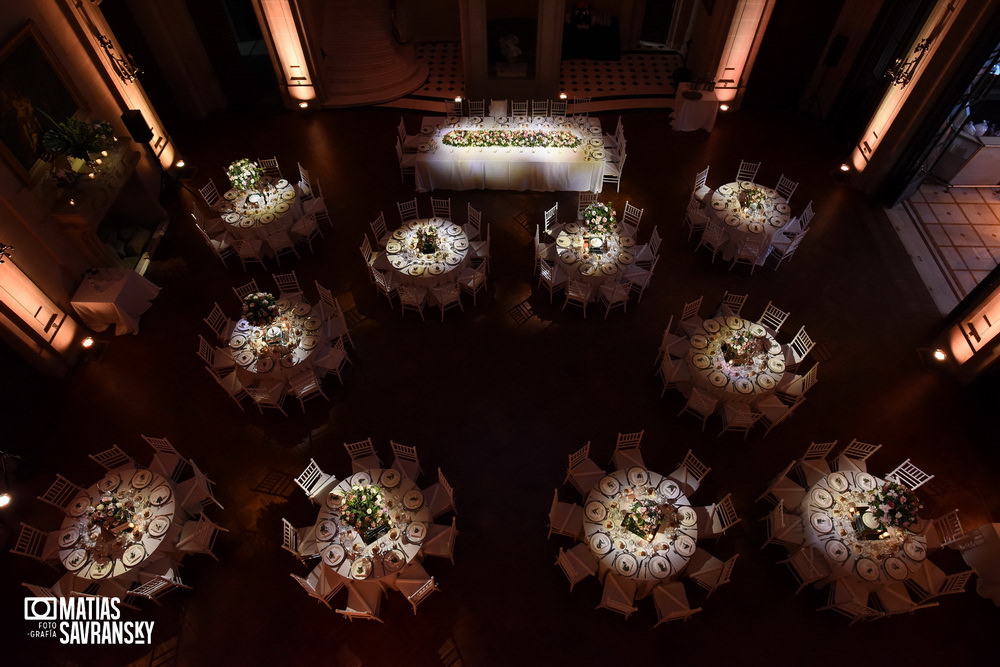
[(499, 406)]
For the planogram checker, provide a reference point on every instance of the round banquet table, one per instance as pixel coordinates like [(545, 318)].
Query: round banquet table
[(743, 383), (254, 215), (90, 552), (829, 528), (342, 548), (417, 269), (766, 219), (663, 557), (583, 262), (278, 350)]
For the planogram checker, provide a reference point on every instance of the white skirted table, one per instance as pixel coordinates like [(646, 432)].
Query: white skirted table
[(735, 360), (396, 535), (255, 215), (548, 154), (116, 297), (694, 109), (747, 210), (100, 539), (592, 258), (853, 543), (640, 524), (282, 348)]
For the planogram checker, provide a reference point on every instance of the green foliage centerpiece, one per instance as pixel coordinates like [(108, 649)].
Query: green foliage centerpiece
[(260, 308), (600, 219), (111, 512), (427, 240), (245, 175), (895, 505), (510, 139), (364, 509), (643, 518)]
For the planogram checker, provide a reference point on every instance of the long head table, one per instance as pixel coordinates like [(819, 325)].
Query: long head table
[(443, 166)]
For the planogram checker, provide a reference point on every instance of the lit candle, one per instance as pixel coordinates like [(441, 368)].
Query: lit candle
[(104, 153)]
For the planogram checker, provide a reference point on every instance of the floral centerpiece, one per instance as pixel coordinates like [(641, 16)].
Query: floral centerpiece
[(740, 348), (895, 505), (751, 198), (600, 218), (111, 512), (245, 175), (364, 508), (260, 308), (427, 240), (510, 139), (643, 518)]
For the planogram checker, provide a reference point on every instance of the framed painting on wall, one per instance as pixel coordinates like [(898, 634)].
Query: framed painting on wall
[(32, 86)]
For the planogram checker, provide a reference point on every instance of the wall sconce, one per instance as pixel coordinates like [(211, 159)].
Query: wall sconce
[(124, 65), (5, 252), (901, 71)]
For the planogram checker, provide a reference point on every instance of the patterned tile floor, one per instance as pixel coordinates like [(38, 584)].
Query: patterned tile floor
[(961, 229), (636, 74)]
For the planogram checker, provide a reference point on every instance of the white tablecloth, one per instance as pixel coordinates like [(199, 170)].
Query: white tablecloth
[(301, 324), (766, 219), (416, 269), (829, 529), (442, 167), (584, 264), (114, 296), (408, 528), (648, 561), (694, 114), (255, 215), (743, 383), (156, 497), (985, 558)]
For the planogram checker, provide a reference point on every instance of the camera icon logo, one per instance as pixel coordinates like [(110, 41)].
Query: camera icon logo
[(40, 609)]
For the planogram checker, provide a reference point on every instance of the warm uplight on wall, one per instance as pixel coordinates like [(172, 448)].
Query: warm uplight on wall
[(940, 355), (723, 107), (87, 342)]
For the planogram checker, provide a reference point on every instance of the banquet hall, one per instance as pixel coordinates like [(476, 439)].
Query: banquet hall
[(496, 395)]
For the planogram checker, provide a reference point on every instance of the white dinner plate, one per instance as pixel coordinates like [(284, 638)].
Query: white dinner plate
[(625, 258), (914, 550), (711, 325), (288, 361), (684, 545), (609, 485), (141, 479), (453, 260), (360, 478), (158, 526), (895, 568), (68, 537), (718, 379), (393, 560), (867, 569), (334, 501), (436, 269), (243, 357), (699, 342), (596, 511), (302, 308), (134, 555), (76, 560), (78, 506), (109, 483), (700, 360), (776, 365), (735, 323), (308, 342), (733, 220), (264, 365), (587, 269), (659, 566), (669, 489), (415, 532), (600, 543), (765, 382), (865, 481), (326, 530), (821, 522), (312, 323), (782, 208), (460, 244), (755, 227), (838, 482), (237, 341), (416, 270), (626, 565), (743, 385), (334, 555), (637, 476), (101, 569), (390, 478), (756, 330), (687, 516), (821, 498), (362, 568), (609, 269), (837, 550), (160, 495), (413, 500), (597, 154)]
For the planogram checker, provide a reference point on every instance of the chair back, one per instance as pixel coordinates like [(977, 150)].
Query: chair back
[(747, 171), (629, 440), (441, 208), (241, 291), (691, 310), (269, 165), (701, 178), (210, 193), (584, 200), (519, 108), (407, 210), (312, 478), (632, 214), (909, 475), (726, 513), (60, 492), (695, 468), (579, 456), (289, 537), (732, 304), (446, 486), (786, 187), (859, 451), (773, 317), (305, 185), (558, 107), (949, 528), (216, 319), (551, 218), (360, 449), (477, 108), (366, 249), (114, 457), (404, 452), (654, 241), (818, 451), (475, 219), (539, 107), (806, 216), (801, 344), (328, 301)]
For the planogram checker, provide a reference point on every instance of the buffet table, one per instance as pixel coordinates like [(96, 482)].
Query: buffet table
[(398, 527), (747, 209), (662, 550), (116, 297), (100, 539), (460, 154), (852, 542), (734, 359)]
